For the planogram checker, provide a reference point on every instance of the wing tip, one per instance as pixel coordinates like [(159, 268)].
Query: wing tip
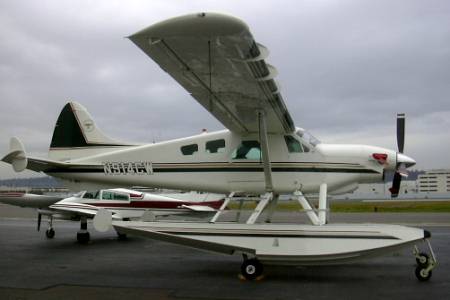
[(203, 23)]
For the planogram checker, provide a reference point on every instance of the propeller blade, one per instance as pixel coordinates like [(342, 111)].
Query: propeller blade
[(400, 132), (395, 189)]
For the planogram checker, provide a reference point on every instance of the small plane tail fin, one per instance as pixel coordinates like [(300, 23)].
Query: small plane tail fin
[(76, 135), (17, 156)]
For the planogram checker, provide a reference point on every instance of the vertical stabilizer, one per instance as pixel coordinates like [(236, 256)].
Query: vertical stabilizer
[(76, 135)]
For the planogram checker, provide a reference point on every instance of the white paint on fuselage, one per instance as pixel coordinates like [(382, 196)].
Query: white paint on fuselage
[(316, 166)]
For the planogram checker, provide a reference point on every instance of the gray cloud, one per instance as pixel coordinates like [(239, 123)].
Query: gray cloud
[(346, 68)]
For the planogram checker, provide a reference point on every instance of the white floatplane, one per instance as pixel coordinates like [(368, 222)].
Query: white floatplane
[(124, 204), (216, 59)]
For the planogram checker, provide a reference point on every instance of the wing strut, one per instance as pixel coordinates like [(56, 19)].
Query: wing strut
[(265, 150), (268, 196), (222, 208)]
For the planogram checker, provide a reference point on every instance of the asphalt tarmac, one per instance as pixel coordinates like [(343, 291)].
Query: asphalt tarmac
[(32, 267)]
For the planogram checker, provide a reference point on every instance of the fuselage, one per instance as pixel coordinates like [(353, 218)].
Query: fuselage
[(130, 204), (224, 162)]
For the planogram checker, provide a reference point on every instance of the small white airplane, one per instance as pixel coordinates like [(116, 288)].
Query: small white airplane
[(124, 204), (216, 59)]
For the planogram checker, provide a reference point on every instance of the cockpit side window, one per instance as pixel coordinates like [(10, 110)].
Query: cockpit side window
[(247, 150), (293, 145), (215, 146), (108, 195), (120, 197)]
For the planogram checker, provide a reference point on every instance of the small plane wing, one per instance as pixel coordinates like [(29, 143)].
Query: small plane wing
[(28, 200), (215, 58), (78, 209), (73, 207), (199, 208)]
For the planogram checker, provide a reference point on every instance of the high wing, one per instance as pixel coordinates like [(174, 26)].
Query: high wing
[(215, 58)]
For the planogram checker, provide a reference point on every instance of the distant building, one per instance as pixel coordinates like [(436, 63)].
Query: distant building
[(434, 181), (407, 186)]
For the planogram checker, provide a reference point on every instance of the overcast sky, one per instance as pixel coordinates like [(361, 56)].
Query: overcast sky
[(345, 67)]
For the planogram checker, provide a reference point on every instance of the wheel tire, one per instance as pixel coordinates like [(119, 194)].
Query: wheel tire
[(421, 274), (121, 236), (50, 233), (83, 237), (423, 259), (251, 269)]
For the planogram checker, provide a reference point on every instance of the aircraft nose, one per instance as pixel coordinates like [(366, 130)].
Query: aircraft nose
[(406, 160)]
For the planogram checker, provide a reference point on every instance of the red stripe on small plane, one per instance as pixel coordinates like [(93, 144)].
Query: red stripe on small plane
[(136, 195)]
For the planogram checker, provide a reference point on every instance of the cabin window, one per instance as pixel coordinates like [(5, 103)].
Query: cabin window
[(107, 195), (189, 149), (292, 144), (215, 146), (247, 150)]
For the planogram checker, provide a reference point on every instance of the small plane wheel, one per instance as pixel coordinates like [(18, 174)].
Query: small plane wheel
[(121, 236), (251, 269), (422, 274), (83, 237), (50, 233), (422, 259)]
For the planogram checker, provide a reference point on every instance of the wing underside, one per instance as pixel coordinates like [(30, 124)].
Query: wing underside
[(215, 58)]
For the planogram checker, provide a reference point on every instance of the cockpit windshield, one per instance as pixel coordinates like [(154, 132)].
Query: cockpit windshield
[(91, 195), (307, 137), (79, 194)]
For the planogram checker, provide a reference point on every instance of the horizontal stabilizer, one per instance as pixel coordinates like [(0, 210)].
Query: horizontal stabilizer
[(16, 156), (19, 161)]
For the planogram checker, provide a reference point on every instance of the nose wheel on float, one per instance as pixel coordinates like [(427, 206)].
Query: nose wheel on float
[(251, 268), (425, 263)]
